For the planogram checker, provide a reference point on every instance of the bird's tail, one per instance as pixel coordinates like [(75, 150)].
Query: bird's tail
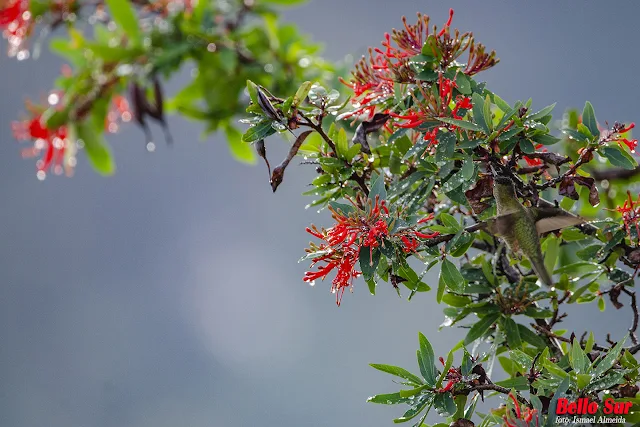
[(541, 271)]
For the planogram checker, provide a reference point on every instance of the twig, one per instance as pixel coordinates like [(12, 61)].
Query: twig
[(612, 174), (550, 334), (493, 387), (634, 307)]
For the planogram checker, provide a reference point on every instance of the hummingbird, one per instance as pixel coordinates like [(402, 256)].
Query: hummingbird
[(521, 226)]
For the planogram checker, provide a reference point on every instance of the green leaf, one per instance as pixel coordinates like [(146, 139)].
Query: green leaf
[(369, 258), (450, 222), (560, 391), (578, 136), (426, 360), (54, 118), (260, 131), (488, 120), (239, 150), (590, 342), (416, 408), (446, 146), (478, 112), (398, 372), (462, 245), (481, 327), (521, 359), (577, 359), (464, 124), (302, 93), (543, 112), (252, 88), (608, 381), (545, 139), (371, 284), (345, 208), (124, 15), (618, 157), (451, 277), (468, 168), (96, 148), (607, 362), (377, 188), (388, 399), (583, 380), (589, 119), (512, 332), (518, 383), (589, 253), (342, 144), (444, 404)]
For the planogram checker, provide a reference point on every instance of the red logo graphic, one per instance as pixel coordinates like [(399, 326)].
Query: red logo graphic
[(583, 406)]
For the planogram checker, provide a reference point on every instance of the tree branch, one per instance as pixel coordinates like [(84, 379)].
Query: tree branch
[(612, 174)]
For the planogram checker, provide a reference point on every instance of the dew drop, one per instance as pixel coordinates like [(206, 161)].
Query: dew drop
[(304, 62), (211, 47), (312, 283), (41, 175), (22, 55), (53, 98), (151, 147)]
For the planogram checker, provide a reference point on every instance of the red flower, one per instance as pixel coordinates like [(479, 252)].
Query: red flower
[(343, 242), (630, 212), (413, 119), (16, 24), (535, 161), (447, 25), (462, 104), (526, 416), (51, 142), (446, 89), (10, 12), (372, 81)]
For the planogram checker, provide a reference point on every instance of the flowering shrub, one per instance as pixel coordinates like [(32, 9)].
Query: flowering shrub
[(420, 165)]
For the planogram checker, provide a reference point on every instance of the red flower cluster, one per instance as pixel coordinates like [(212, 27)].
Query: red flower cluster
[(522, 417), (373, 78), (427, 113), (52, 142), (344, 241), (630, 212), (630, 143), (58, 152), (16, 24)]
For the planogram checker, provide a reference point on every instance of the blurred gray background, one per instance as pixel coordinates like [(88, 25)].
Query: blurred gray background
[(169, 294)]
